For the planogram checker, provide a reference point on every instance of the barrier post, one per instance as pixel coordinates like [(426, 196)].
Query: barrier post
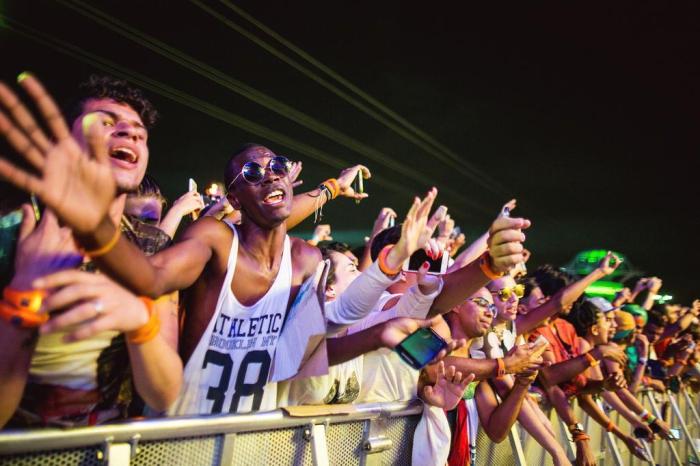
[(677, 412), (657, 413), (517, 447), (617, 458)]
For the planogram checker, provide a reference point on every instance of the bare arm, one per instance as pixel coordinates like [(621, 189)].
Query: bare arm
[(156, 365), (564, 298), (505, 251), (469, 255), (306, 203), (495, 419), (172, 269), (18, 348)]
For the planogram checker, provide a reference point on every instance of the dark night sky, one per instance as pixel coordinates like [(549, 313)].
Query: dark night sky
[(588, 114)]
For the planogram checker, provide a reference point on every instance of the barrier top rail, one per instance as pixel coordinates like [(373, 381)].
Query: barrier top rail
[(32, 440)]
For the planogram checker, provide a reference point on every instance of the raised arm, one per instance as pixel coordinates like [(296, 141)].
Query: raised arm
[(497, 419), (565, 297), (172, 269), (305, 204), (505, 251)]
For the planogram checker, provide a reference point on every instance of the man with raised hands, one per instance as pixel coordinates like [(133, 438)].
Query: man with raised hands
[(91, 165)]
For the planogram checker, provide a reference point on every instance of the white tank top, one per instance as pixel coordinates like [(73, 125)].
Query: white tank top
[(229, 369)]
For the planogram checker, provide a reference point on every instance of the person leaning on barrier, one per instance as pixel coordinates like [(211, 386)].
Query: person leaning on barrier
[(502, 337), (79, 368), (595, 324), (567, 363), (469, 320)]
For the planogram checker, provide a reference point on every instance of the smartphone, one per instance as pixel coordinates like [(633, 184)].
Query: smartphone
[(541, 344), (505, 212), (392, 222), (420, 347), (655, 369), (192, 186), (437, 266), (358, 185), (35, 207), (674, 434), (455, 232)]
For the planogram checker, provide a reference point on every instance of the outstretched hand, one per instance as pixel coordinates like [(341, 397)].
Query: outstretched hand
[(505, 242), (609, 263), (448, 388), (79, 187), (416, 229), (346, 178), (93, 303)]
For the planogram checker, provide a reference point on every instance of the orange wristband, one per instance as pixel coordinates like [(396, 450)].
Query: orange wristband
[(20, 317), (25, 300), (610, 426), (101, 251), (333, 186), (149, 330), (381, 260), (592, 362), (485, 266), (501, 369)]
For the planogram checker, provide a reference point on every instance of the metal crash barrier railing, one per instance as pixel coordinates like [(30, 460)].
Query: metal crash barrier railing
[(374, 434)]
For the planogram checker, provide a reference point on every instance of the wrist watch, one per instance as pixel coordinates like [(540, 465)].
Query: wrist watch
[(575, 427)]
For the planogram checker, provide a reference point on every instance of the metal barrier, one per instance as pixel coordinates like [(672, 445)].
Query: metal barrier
[(376, 434)]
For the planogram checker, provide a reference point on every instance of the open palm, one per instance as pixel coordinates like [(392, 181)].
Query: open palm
[(78, 187)]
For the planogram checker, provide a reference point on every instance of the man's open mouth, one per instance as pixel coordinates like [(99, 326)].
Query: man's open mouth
[(124, 154), (275, 197)]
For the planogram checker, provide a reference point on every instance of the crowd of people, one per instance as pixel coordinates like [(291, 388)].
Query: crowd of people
[(111, 311)]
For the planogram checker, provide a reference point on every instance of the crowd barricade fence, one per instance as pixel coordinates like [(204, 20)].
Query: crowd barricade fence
[(375, 434)]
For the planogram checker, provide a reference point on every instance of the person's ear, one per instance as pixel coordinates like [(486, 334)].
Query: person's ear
[(330, 292), (595, 330), (233, 201)]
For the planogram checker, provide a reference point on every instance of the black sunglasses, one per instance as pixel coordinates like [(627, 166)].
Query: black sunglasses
[(253, 172)]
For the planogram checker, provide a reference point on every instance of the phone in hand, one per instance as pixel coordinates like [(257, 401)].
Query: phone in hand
[(420, 347), (358, 185), (437, 266), (192, 186), (540, 346), (674, 434)]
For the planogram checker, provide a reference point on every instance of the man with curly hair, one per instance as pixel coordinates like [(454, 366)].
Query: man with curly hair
[(52, 377)]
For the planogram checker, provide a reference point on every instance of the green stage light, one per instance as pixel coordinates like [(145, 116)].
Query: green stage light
[(604, 289)]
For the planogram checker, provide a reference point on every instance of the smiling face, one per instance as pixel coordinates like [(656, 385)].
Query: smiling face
[(474, 316), (507, 307), (125, 136), (344, 273), (268, 203)]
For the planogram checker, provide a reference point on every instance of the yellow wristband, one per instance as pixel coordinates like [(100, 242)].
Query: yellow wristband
[(107, 247)]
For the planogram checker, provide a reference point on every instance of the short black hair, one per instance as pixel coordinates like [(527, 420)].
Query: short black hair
[(656, 318), (583, 316), (384, 238), (331, 245), (550, 280), (530, 284), (108, 87)]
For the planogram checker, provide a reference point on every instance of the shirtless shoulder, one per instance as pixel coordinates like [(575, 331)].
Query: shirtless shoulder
[(305, 258), (210, 233)]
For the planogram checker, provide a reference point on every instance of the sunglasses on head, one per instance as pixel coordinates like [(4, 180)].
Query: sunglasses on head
[(483, 303), (254, 173), (504, 294)]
